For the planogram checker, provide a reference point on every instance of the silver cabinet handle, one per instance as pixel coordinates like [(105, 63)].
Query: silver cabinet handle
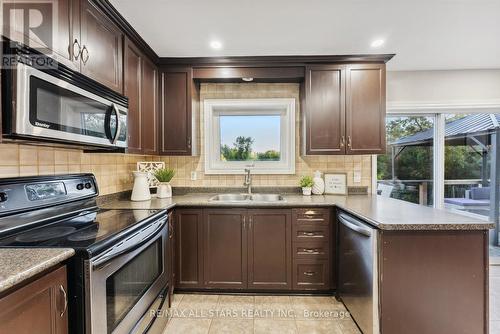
[(342, 141), (309, 273), (77, 49), (85, 54), (349, 141), (63, 291), (309, 234)]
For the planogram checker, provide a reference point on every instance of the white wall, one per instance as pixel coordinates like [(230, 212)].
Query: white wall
[(443, 87)]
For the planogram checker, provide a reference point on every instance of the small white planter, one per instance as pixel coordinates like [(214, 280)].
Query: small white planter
[(306, 191), (164, 190)]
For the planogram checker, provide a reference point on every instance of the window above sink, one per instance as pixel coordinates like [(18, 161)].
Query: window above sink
[(257, 133)]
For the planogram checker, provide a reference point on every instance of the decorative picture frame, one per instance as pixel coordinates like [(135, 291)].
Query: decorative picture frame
[(335, 183), (150, 167)]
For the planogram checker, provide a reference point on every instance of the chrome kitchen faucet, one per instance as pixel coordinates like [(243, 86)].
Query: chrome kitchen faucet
[(248, 180)]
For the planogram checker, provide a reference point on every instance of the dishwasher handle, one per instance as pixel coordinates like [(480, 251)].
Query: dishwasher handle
[(355, 225)]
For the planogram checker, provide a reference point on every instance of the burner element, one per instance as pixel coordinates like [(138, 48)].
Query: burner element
[(87, 234), (45, 233)]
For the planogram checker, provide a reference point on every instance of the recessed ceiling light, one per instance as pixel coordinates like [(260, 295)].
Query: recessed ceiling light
[(247, 79), (377, 43), (215, 45)]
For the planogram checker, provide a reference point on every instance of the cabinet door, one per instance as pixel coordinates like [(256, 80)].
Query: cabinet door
[(365, 109), (52, 35), (269, 249), (176, 112), (102, 47), (149, 107), (324, 127), (225, 242), (132, 89), (189, 251), (39, 307)]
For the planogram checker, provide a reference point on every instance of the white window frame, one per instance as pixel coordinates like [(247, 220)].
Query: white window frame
[(438, 112), (214, 108)]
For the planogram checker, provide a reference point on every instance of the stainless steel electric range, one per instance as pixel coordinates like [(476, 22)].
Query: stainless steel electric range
[(117, 279)]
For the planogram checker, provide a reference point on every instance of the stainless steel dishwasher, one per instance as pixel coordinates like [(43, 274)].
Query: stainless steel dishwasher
[(357, 271)]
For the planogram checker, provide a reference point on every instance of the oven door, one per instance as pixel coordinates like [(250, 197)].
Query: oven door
[(125, 280), (51, 108)]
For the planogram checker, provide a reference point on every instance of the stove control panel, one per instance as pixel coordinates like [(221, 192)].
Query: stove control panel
[(25, 193)]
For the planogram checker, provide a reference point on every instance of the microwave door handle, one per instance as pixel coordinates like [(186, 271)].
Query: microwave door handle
[(118, 124), (105, 258), (107, 123)]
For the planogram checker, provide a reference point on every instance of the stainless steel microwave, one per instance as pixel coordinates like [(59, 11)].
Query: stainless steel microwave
[(64, 107)]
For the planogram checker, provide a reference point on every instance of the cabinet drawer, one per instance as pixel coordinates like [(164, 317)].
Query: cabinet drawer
[(310, 232), (311, 275), (311, 216), (311, 250)]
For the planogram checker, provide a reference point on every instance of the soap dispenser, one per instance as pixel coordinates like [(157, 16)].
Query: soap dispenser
[(319, 184)]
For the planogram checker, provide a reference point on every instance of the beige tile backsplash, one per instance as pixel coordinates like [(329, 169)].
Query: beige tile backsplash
[(114, 171)]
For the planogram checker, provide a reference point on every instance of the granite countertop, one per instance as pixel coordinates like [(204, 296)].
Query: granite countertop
[(383, 213), (20, 264)]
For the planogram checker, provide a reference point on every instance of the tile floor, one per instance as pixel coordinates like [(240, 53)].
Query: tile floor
[(193, 314)]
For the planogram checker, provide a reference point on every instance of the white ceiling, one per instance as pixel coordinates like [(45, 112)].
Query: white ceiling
[(424, 34)]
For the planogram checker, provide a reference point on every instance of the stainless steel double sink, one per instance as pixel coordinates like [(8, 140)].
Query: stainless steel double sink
[(247, 198)]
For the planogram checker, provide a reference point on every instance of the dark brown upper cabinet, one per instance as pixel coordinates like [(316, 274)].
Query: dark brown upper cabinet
[(344, 109), (65, 48), (365, 109), (101, 47), (225, 248), (38, 307), (141, 88), (269, 249), (149, 107), (325, 109), (177, 118), (132, 74), (85, 40), (189, 248), (54, 38)]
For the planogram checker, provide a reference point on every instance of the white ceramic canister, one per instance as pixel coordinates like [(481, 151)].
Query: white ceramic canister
[(140, 192), (319, 184)]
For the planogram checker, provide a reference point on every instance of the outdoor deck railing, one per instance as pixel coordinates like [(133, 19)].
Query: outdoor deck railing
[(420, 191)]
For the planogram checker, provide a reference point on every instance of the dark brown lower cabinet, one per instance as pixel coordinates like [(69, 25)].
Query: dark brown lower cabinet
[(311, 274), (253, 249), (313, 249), (225, 248), (433, 282), (39, 307), (189, 248), (269, 249)]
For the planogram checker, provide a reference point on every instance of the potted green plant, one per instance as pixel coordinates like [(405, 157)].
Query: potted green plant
[(306, 182), (164, 176)]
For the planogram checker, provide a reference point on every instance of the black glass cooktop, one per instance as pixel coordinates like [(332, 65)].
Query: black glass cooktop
[(88, 232)]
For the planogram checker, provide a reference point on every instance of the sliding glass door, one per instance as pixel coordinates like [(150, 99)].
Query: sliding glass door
[(405, 171), (444, 159)]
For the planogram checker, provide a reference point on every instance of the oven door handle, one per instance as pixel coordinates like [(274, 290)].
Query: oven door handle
[(130, 244)]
